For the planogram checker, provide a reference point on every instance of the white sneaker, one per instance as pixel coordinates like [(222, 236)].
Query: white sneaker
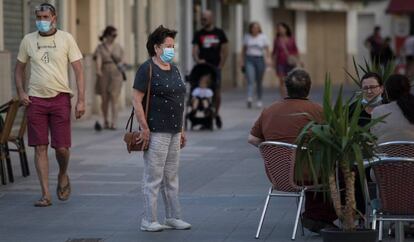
[(249, 102), (259, 104), (173, 223), (151, 227)]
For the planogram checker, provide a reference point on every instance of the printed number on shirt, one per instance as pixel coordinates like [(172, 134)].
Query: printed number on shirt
[(209, 41), (45, 57)]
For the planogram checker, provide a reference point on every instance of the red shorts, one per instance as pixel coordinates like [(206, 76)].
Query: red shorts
[(49, 113)]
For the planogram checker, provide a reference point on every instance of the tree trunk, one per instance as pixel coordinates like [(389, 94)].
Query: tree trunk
[(350, 204), (336, 196)]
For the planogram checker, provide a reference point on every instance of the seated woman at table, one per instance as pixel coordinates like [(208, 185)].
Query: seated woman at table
[(399, 124)]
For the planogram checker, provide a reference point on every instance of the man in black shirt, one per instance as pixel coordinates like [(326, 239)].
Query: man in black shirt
[(210, 46)]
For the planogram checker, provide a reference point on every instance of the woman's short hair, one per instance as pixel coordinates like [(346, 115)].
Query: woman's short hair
[(107, 32), (157, 37), (251, 25), (374, 75), (298, 83)]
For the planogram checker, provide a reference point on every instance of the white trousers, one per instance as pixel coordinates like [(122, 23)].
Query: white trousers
[(161, 174)]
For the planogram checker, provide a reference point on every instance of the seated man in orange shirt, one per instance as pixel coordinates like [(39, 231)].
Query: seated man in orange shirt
[(282, 121)]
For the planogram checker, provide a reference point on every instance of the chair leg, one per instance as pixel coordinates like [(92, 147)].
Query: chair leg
[(263, 213), (24, 154), (381, 223), (300, 217), (2, 165), (8, 163), (23, 157), (374, 219), (302, 194)]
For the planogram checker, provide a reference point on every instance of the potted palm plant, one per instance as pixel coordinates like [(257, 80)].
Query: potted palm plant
[(333, 149)]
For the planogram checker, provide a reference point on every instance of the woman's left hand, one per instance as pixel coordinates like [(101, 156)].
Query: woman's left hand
[(183, 140)]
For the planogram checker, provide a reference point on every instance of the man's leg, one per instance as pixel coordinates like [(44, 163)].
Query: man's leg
[(37, 134), (217, 99), (42, 168), (61, 141), (62, 157), (319, 212)]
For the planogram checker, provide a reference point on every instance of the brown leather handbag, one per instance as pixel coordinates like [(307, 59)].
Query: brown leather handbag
[(130, 136)]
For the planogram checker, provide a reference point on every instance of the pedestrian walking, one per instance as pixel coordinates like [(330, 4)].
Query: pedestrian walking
[(49, 52), (109, 57), (210, 45), (162, 131), (255, 58), (374, 43), (285, 54), (387, 54)]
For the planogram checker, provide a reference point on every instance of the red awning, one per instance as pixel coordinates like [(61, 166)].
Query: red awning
[(401, 7)]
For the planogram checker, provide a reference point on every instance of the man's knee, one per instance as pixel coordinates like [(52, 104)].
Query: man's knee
[(40, 149), (63, 151)]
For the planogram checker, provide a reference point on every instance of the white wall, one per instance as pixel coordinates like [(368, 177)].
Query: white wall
[(301, 32), (186, 36)]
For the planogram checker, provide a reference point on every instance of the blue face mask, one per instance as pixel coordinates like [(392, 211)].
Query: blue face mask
[(43, 26), (167, 55)]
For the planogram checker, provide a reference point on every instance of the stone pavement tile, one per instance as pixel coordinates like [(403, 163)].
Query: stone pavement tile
[(222, 189)]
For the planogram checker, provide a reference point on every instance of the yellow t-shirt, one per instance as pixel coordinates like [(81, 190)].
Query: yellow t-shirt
[(49, 60)]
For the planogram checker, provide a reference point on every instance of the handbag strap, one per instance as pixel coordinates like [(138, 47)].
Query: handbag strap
[(284, 47), (110, 52), (147, 99)]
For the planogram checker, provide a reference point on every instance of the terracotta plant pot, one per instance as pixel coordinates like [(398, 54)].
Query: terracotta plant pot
[(359, 235)]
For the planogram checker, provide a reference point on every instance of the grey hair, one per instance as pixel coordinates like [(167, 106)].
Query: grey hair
[(298, 83)]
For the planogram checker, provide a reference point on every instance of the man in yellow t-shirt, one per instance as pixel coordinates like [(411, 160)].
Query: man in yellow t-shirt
[(49, 52)]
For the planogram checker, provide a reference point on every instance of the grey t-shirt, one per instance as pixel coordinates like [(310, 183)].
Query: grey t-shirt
[(167, 97)]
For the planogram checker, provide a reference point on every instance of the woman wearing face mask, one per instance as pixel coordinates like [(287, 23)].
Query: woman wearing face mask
[(372, 90), (109, 57), (162, 130)]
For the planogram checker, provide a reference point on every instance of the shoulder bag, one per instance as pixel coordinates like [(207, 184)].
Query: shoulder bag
[(292, 60), (130, 136), (118, 64)]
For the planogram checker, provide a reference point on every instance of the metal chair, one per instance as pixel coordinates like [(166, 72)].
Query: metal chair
[(10, 110), (394, 177), (396, 149), (279, 162)]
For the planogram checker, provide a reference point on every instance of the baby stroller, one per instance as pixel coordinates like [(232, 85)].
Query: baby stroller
[(200, 104)]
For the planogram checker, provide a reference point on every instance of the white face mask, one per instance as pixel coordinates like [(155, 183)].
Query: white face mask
[(374, 102)]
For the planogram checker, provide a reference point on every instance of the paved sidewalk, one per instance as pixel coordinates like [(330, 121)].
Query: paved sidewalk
[(222, 182)]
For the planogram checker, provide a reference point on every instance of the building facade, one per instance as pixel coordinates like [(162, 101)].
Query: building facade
[(329, 33)]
